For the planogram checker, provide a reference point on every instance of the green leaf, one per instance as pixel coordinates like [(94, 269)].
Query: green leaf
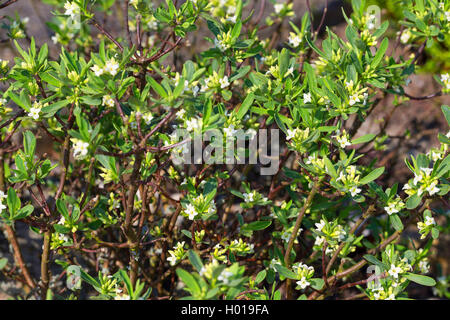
[(420, 279), (285, 272), (188, 280), (50, 110), (13, 202), (380, 53), (258, 225), (364, 139), (396, 222), (283, 61), (157, 87), (260, 276), (372, 176), (24, 212), (29, 143), (413, 201), (446, 111), (370, 258), (248, 101), (3, 262), (317, 283), (195, 260)]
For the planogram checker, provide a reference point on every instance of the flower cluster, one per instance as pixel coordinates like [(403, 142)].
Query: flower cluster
[(111, 66), (177, 254), (304, 273)]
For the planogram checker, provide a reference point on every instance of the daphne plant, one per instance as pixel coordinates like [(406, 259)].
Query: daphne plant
[(117, 148)]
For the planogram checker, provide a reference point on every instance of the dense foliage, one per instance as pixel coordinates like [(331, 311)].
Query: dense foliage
[(120, 219)]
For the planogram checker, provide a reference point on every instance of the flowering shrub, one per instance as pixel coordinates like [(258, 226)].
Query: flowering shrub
[(122, 217)]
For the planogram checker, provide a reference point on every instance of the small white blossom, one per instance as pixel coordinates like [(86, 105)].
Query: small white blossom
[(35, 111), (354, 191), (97, 70), (307, 97), (224, 82), (353, 99), (108, 101), (148, 117), (278, 7), (230, 131), (294, 40), (193, 124), (80, 149), (429, 221), (111, 67), (72, 9), (303, 283), (190, 211), (404, 38), (249, 197), (394, 271), (432, 188)]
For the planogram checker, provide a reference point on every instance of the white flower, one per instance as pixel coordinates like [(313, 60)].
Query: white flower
[(62, 220), (193, 124), (190, 211), (307, 97), (97, 70), (2, 196), (180, 113), (230, 131), (320, 225), (219, 45), (394, 271), (391, 208), (80, 149), (195, 91), (2, 206), (404, 38), (35, 110), (249, 197), (343, 141), (224, 82), (72, 9), (435, 156), (278, 7), (111, 66), (294, 40), (319, 241), (303, 283), (289, 72), (148, 117), (447, 15), (432, 189), (290, 134), (417, 178), (225, 276), (391, 297), (2, 100), (429, 221), (445, 78), (172, 259), (427, 170), (273, 263), (353, 99), (108, 101), (424, 266), (354, 191)]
